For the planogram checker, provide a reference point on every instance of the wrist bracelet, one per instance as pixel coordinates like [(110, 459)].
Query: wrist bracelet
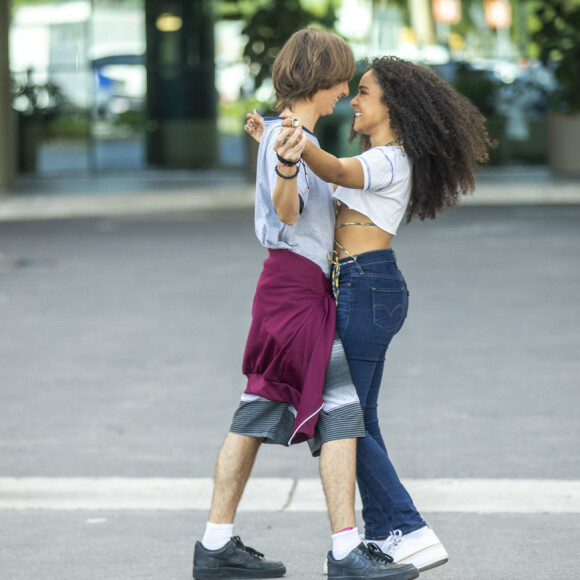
[(286, 176), (285, 161)]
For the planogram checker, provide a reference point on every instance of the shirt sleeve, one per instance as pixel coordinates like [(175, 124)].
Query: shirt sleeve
[(378, 169)]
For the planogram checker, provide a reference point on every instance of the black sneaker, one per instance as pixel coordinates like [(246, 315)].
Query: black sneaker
[(234, 560), (367, 561)]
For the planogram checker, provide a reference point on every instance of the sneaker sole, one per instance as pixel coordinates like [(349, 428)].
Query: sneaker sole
[(411, 574), (427, 559), (235, 573), (433, 565), (428, 567)]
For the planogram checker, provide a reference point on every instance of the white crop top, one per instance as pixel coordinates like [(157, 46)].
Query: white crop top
[(387, 187)]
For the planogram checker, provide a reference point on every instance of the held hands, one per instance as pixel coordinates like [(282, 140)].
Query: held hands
[(291, 141), (255, 127)]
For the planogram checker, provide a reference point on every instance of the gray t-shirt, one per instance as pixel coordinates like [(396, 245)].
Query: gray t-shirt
[(312, 236)]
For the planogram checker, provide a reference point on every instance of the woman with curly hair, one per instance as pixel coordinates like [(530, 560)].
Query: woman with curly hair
[(421, 141)]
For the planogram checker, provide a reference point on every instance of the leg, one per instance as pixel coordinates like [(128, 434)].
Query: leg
[(386, 503), (337, 472), (356, 560), (372, 307), (233, 466), (372, 311)]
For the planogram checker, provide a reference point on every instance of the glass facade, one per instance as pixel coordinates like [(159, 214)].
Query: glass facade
[(106, 85), (79, 85), (181, 99)]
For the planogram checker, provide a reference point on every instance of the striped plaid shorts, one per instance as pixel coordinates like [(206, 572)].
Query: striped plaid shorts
[(341, 416)]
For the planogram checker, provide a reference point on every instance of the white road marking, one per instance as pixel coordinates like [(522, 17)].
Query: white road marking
[(484, 496)]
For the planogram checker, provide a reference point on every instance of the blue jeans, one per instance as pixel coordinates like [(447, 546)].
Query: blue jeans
[(372, 306)]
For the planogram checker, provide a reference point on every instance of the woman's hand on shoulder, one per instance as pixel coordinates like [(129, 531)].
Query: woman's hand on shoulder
[(254, 125)]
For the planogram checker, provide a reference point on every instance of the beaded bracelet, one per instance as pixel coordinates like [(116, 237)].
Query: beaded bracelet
[(286, 176), (286, 162)]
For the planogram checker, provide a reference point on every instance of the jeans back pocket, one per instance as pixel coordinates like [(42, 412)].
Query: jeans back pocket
[(390, 307)]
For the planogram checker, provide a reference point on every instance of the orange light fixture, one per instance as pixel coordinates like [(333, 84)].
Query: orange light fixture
[(446, 11), (498, 13)]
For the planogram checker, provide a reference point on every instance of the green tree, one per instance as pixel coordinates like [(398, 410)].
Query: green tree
[(268, 24), (556, 34)]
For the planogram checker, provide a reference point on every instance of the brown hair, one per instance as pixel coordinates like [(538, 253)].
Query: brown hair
[(310, 60), (443, 133)]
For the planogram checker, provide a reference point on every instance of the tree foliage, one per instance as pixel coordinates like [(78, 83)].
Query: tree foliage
[(269, 24), (557, 35)]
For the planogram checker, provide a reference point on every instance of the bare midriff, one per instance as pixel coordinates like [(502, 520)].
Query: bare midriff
[(357, 239)]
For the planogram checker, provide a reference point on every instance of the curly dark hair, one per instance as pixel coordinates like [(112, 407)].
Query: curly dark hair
[(443, 133)]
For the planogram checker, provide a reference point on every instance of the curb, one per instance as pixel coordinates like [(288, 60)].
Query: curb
[(71, 206), (47, 207)]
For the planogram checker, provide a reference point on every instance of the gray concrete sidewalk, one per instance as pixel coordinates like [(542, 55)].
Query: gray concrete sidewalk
[(159, 545), (173, 192), (120, 355)]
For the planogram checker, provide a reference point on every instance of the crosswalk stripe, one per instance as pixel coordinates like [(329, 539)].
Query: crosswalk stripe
[(524, 496)]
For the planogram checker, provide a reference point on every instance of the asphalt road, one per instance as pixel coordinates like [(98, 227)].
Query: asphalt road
[(120, 352)]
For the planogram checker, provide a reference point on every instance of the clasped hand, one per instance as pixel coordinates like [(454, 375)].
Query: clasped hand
[(291, 140)]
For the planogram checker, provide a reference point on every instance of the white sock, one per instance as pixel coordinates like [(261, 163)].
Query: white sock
[(217, 535), (344, 542)]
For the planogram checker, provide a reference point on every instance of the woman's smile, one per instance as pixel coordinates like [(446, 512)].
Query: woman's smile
[(371, 115)]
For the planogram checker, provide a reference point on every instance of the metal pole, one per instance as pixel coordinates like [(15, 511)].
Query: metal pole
[(7, 135), (93, 163)]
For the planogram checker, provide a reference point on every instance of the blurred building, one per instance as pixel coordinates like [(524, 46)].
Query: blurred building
[(112, 84), (95, 86)]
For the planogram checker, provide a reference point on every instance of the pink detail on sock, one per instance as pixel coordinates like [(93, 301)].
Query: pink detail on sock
[(344, 530)]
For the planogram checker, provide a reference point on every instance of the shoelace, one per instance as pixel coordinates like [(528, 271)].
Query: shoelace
[(392, 541), (377, 554), (239, 544)]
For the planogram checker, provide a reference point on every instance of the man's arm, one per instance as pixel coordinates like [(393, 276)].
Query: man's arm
[(288, 145)]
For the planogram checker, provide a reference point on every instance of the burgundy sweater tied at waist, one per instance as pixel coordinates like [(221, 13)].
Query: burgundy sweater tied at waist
[(291, 336)]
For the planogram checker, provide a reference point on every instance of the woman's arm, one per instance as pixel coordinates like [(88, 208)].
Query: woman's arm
[(346, 171)]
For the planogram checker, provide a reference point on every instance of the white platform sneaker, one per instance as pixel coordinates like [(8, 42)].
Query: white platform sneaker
[(422, 548)]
